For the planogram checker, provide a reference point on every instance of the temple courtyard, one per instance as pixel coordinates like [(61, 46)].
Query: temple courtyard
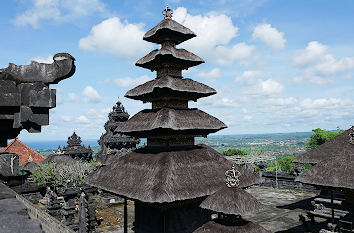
[(282, 208)]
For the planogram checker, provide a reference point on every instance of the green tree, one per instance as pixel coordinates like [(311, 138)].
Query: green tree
[(321, 136), (285, 164), (233, 151)]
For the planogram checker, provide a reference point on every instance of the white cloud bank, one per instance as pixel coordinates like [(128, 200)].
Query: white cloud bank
[(121, 39), (319, 67), (89, 95), (128, 81), (269, 35), (214, 35), (211, 75), (58, 11)]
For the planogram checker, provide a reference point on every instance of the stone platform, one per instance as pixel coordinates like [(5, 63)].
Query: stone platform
[(13, 214), (282, 208)]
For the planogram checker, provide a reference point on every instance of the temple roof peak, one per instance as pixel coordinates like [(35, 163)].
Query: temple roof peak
[(167, 13)]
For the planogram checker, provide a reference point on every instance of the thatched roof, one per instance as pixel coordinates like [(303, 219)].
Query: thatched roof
[(168, 121), (30, 167), (179, 58), (328, 149), (167, 86), (26, 153), (213, 227), (336, 172), (232, 201), (168, 29), (59, 159), (168, 176)]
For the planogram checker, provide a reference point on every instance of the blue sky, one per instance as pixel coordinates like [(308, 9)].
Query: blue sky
[(278, 66)]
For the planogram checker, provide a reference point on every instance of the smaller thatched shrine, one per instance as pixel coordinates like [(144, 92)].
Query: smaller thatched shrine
[(113, 142), (57, 158), (228, 205), (334, 173), (75, 150), (327, 150)]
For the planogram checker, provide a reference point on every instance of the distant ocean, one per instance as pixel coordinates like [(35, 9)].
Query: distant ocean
[(43, 145)]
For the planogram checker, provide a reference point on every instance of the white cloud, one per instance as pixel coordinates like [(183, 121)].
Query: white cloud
[(90, 95), (122, 39), (218, 101), (59, 11), (128, 81), (66, 118), (240, 51), (269, 35), (313, 53), (47, 60), (280, 101), (73, 97), (263, 88), (319, 67), (252, 85), (214, 34), (212, 74), (83, 119), (248, 76)]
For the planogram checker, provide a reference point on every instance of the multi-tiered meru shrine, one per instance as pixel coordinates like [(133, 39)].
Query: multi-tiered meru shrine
[(170, 177), (113, 143)]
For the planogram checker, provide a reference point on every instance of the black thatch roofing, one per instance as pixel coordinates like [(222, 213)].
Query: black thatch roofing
[(329, 149), (232, 201), (30, 167), (167, 86), (213, 227), (179, 58), (168, 176), (336, 172), (169, 121), (59, 159), (168, 30)]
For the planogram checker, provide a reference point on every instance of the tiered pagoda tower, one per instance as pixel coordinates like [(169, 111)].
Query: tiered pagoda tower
[(113, 142), (170, 177), (75, 150)]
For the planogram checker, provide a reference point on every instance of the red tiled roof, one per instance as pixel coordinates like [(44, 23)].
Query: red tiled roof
[(26, 153)]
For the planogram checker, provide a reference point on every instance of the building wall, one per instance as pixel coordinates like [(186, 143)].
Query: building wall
[(49, 224), (285, 181)]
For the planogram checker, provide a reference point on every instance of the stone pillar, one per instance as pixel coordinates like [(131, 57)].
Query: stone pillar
[(87, 211), (69, 209), (54, 204)]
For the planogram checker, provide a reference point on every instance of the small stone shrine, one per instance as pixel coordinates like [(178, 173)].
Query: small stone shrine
[(170, 177), (75, 150), (113, 141), (25, 96)]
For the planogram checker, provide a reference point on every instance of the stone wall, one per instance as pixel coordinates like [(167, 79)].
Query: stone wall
[(285, 181), (49, 224)]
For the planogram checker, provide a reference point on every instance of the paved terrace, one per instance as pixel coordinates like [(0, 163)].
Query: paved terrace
[(282, 208), (281, 212)]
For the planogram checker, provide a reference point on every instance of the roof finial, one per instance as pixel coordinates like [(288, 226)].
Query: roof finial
[(351, 138), (167, 13), (118, 101), (232, 177)]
